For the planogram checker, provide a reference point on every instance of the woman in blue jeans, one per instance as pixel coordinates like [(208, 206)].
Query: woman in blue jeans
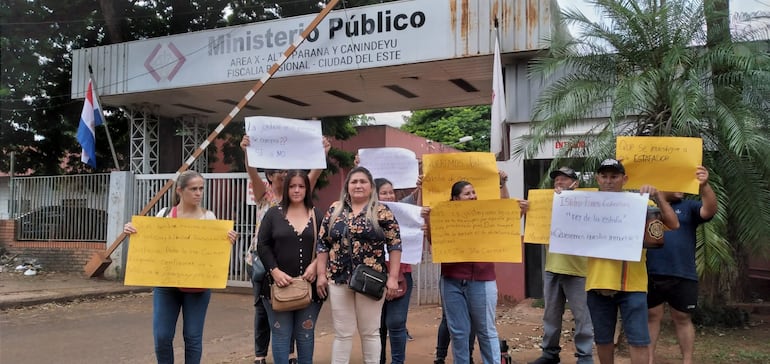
[(394, 312), (286, 245), (168, 301), (469, 294)]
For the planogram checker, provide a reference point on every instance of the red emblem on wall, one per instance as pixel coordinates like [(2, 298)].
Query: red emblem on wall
[(164, 62)]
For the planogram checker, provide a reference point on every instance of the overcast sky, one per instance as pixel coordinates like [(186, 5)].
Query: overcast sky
[(396, 119)]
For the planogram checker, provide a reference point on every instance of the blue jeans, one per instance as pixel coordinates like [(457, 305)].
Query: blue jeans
[(633, 313), (166, 304), (261, 322), (393, 321), (558, 289), (443, 339), (286, 327), (470, 307)]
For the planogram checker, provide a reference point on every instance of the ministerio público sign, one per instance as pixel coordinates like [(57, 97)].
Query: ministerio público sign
[(364, 37)]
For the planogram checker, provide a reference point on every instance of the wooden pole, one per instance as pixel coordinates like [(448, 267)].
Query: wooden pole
[(101, 260)]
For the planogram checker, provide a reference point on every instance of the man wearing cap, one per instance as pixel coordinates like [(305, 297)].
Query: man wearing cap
[(565, 280), (617, 285), (673, 278)]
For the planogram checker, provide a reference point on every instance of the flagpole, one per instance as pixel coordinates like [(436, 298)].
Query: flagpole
[(104, 119), (506, 145), (499, 134)]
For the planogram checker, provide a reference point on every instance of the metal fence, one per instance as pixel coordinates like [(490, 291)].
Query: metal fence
[(426, 277), (60, 208), (74, 208)]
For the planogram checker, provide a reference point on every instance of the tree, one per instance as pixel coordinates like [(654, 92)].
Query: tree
[(656, 70), (39, 120), (448, 125)]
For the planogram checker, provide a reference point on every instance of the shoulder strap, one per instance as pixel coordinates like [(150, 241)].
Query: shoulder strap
[(167, 210), (315, 232)]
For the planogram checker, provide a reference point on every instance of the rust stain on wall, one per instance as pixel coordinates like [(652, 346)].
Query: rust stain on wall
[(495, 7), (465, 22), (505, 20), (453, 15), (533, 22), (518, 17)]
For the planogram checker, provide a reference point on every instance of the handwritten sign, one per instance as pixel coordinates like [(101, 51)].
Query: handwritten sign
[(476, 231), (178, 253), (410, 225), (599, 224), (279, 143), (441, 171), (537, 228), (398, 165), (668, 163)]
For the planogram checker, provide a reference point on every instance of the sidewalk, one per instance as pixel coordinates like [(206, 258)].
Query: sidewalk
[(18, 290)]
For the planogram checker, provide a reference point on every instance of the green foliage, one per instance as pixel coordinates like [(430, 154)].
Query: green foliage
[(448, 125), (644, 71), (711, 315), (38, 118)]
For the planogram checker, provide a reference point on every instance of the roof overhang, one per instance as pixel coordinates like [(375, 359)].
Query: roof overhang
[(412, 55)]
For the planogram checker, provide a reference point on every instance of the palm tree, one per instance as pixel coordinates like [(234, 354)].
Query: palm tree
[(649, 69)]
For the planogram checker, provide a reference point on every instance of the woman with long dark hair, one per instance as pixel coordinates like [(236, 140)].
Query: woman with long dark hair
[(266, 195), (469, 294), (286, 242), (167, 302)]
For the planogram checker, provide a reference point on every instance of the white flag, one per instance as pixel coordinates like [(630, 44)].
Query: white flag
[(499, 111)]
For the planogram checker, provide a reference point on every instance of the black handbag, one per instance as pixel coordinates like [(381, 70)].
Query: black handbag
[(367, 281), (364, 279)]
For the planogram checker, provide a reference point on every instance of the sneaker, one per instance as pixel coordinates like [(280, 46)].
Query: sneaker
[(544, 360), (409, 337), (438, 361), (292, 360)]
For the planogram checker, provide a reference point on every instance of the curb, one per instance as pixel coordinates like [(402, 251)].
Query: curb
[(67, 297)]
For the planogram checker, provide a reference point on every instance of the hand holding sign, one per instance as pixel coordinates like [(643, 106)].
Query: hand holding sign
[(666, 162), (476, 231), (398, 165), (599, 224), (442, 170), (178, 253), (279, 143)]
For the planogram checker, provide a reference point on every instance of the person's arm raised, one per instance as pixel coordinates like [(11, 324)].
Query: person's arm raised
[(667, 212), (503, 184), (707, 195), (315, 174), (257, 185)]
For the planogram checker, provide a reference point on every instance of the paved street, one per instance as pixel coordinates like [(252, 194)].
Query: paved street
[(118, 329)]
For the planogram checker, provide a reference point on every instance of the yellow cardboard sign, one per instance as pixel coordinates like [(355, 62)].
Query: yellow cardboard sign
[(668, 163), (537, 228), (476, 231), (178, 253), (441, 171)]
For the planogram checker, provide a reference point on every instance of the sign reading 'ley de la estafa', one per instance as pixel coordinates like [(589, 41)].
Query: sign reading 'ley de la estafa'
[(366, 37)]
